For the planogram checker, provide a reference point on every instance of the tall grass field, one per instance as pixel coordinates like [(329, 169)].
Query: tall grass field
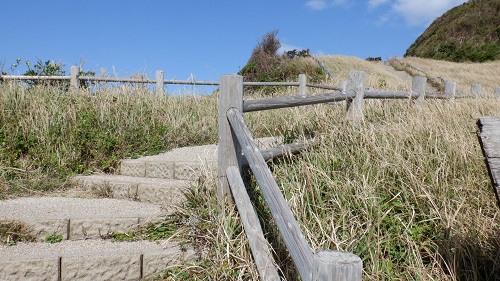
[(406, 189)]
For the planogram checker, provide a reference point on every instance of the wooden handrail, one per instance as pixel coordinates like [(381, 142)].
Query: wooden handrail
[(289, 228), (258, 244)]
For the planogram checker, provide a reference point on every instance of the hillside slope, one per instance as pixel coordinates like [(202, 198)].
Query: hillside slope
[(464, 74), (381, 76), (469, 32)]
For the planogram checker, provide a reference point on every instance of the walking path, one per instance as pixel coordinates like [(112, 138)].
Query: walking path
[(146, 190)]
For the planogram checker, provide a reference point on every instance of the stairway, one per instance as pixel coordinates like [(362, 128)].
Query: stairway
[(145, 191)]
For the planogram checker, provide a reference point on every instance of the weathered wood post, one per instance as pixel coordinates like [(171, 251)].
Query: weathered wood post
[(497, 92), (355, 85), (258, 244), (160, 77), (336, 266), (302, 85), (229, 150), (475, 89), (343, 86), (74, 82), (418, 86), (450, 89)]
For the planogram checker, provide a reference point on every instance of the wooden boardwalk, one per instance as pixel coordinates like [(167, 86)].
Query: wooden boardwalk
[(489, 137)]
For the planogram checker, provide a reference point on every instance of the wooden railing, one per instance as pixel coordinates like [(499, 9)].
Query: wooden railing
[(237, 149), (75, 80)]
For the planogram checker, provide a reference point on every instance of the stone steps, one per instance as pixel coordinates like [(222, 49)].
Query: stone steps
[(185, 163), (164, 192), (78, 218), (90, 260), (147, 190)]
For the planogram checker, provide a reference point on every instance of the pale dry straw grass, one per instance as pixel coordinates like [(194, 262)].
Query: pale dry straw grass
[(465, 74), (378, 76)]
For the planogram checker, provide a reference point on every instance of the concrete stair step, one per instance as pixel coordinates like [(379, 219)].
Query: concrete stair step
[(185, 163), (90, 260), (165, 192), (79, 218)]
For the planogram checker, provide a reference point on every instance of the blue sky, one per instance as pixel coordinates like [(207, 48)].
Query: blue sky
[(203, 38)]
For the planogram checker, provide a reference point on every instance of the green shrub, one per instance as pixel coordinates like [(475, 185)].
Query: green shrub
[(266, 65)]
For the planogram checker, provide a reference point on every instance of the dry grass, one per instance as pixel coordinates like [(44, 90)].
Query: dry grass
[(378, 75), (465, 74), (407, 190)]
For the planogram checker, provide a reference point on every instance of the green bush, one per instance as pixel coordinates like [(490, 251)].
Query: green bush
[(266, 65)]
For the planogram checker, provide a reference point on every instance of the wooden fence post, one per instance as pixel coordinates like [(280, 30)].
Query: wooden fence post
[(475, 89), (355, 85), (336, 266), (229, 150), (343, 86), (159, 82), (450, 89), (74, 82), (418, 86), (258, 244), (302, 85), (497, 92)]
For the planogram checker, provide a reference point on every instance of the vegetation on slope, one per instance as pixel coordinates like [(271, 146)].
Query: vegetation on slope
[(469, 32), (407, 190), (266, 65), (465, 74), (47, 135)]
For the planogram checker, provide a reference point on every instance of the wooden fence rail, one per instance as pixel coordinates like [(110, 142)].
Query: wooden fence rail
[(238, 149), (159, 81)]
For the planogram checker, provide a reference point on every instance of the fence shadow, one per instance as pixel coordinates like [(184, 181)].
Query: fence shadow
[(465, 257)]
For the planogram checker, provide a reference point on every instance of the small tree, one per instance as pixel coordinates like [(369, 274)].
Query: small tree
[(266, 65)]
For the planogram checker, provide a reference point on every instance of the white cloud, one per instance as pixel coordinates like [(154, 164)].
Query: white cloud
[(372, 4), (287, 47), (316, 4), (422, 12), (324, 4)]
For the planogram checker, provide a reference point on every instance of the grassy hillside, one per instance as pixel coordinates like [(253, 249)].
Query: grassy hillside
[(487, 74), (407, 189), (378, 75), (469, 32)]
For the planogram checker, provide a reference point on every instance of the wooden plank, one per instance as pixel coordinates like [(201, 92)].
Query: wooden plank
[(494, 170), (355, 86), (160, 77), (489, 138), (289, 228), (282, 150), (311, 85), (283, 102), (258, 244), (133, 80), (302, 85), (475, 89), (337, 266), (450, 89), (22, 77), (271, 84), (374, 94), (489, 133), (74, 82), (418, 87), (229, 150)]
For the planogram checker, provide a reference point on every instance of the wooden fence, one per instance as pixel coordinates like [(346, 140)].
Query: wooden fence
[(159, 81), (75, 80), (237, 148)]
